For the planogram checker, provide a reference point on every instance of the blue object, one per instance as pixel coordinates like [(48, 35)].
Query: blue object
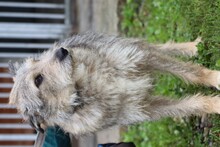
[(56, 137), (106, 145)]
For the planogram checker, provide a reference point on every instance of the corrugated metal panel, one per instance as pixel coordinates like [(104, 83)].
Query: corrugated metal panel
[(10, 116), (3, 65), (32, 15), (32, 28), (5, 75), (17, 137), (31, 5), (7, 106), (6, 85), (26, 29), (14, 126), (29, 35), (16, 55), (15, 146), (25, 45), (4, 95)]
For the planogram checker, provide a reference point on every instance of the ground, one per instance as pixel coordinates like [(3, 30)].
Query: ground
[(177, 20)]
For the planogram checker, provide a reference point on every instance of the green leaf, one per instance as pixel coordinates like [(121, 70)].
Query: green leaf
[(217, 63)]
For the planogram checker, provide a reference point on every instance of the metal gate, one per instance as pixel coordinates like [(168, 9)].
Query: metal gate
[(26, 29)]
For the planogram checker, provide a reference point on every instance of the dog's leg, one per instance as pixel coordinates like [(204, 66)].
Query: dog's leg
[(185, 48), (190, 72), (192, 105), (157, 107)]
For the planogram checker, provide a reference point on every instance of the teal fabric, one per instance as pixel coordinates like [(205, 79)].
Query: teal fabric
[(55, 137)]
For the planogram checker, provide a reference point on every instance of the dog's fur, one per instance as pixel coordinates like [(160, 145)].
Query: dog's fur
[(92, 81)]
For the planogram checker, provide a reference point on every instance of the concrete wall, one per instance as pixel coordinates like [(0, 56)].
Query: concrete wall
[(98, 16)]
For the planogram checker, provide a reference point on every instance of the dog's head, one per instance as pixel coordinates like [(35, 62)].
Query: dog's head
[(41, 87)]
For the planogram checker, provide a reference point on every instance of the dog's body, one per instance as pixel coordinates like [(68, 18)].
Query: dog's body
[(90, 82)]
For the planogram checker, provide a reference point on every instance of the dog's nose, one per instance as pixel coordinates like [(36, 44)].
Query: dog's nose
[(35, 121)]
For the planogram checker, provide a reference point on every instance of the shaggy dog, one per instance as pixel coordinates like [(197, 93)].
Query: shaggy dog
[(93, 81)]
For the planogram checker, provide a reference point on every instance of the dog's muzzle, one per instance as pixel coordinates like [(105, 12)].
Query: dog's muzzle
[(35, 121)]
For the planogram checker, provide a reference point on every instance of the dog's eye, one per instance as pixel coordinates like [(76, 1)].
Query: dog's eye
[(38, 80)]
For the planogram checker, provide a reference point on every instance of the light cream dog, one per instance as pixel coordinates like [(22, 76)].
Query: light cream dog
[(92, 81)]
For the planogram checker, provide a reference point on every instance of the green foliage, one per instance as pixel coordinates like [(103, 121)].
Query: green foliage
[(178, 20), (140, 18), (166, 132)]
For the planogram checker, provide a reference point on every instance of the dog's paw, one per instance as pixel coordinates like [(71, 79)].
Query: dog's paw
[(216, 104), (199, 39), (193, 46), (216, 80), (212, 78)]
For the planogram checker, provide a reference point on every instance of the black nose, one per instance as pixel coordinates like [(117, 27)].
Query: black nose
[(61, 54), (35, 122)]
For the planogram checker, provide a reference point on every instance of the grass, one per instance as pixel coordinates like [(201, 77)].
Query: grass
[(177, 20)]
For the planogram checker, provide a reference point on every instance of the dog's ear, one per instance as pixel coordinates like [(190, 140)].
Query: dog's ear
[(13, 68), (61, 54)]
